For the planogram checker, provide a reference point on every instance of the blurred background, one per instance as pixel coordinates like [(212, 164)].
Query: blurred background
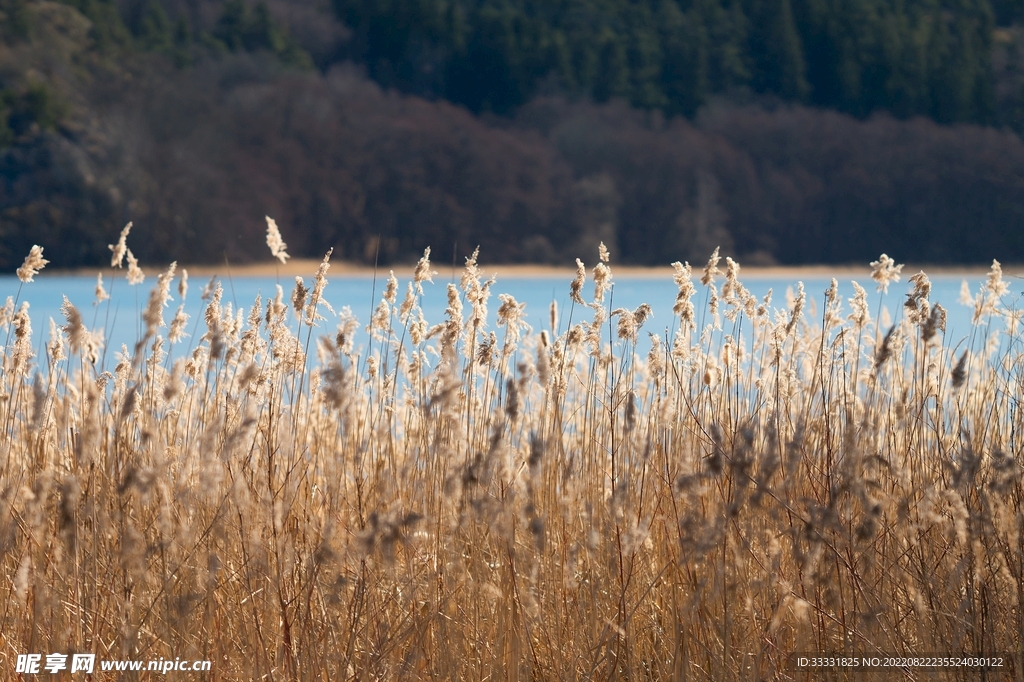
[(786, 131)]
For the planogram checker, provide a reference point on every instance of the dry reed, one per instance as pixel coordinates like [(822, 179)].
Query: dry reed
[(564, 503)]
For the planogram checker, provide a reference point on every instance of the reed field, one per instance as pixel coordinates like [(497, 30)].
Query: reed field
[(295, 494)]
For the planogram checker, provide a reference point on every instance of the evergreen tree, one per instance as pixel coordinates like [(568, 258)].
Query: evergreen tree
[(727, 32), (241, 29), (15, 21), (685, 66), (108, 30), (775, 50), (910, 57), (612, 78), (154, 30)]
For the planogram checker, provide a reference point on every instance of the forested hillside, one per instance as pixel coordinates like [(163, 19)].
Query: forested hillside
[(787, 131), (927, 57)]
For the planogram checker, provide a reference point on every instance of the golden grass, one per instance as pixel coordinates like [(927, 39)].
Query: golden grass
[(479, 500)]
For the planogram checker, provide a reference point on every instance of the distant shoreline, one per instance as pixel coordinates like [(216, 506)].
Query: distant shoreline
[(306, 267)]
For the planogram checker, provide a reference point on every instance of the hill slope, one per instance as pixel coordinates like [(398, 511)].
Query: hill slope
[(196, 121)]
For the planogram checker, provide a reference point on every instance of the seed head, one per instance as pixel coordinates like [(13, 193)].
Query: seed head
[(22, 339), (299, 296), (631, 321), (885, 271), (120, 248), (407, 303), (75, 329), (655, 357), (544, 358), (391, 290), (936, 322), (711, 269), (135, 274), (7, 313), (317, 296), (34, 262), (602, 281), (859, 303), (153, 315), (56, 343), (832, 305), (627, 327), (177, 330), (101, 293), (422, 273), (510, 314), (959, 374), (684, 304), (379, 319), (798, 308), (730, 289), (485, 351), (511, 399), (576, 288), (642, 314), (995, 284), (884, 351), (274, 241)]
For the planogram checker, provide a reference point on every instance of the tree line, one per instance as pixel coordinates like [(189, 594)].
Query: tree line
[(908, 57), (195, 118), (341, 163)]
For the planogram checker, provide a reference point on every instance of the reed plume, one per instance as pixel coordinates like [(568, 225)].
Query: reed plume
[(293, 498)]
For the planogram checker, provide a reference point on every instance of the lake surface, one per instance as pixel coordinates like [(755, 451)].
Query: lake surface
[(120, 316)]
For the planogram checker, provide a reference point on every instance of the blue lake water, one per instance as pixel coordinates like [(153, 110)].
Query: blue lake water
[(120, 317)]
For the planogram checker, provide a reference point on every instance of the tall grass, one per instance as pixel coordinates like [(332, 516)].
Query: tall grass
[(478, 499)]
